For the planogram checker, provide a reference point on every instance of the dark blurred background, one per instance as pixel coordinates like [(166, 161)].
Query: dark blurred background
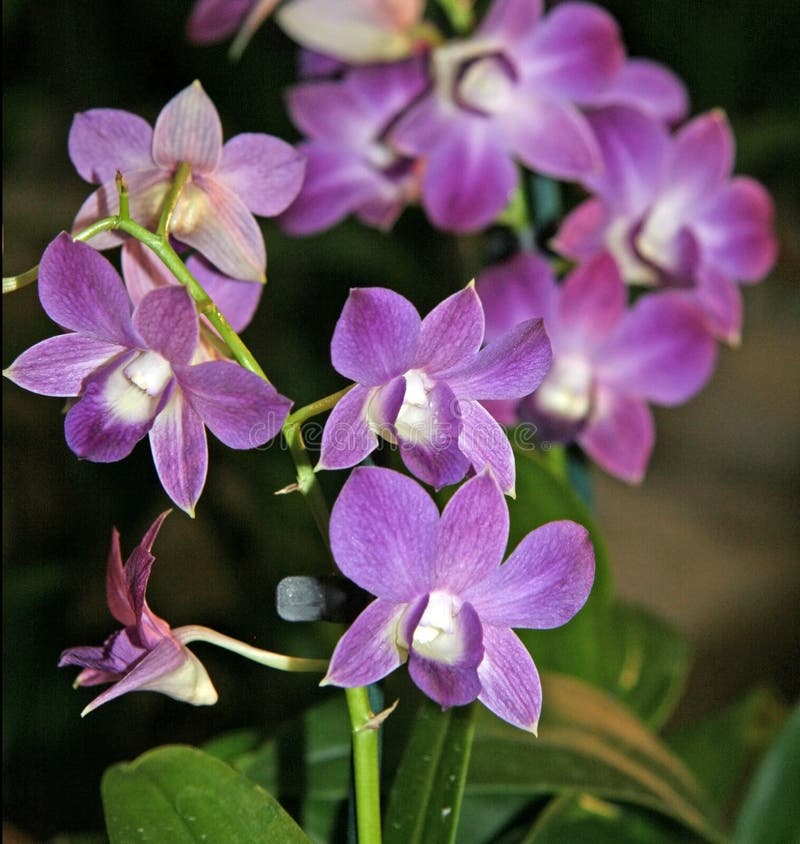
[(709, 540)]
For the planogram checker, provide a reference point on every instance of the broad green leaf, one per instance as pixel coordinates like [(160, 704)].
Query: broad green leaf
[(722, 750), (306, 765), (425, 801), (582, 818), (587, 743), (771, 810), (183, 796)]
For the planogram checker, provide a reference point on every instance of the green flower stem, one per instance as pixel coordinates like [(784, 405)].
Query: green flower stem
[(307, 482), (317, 407), (182, 176), (197, 633), (460, 14), (365, 762)]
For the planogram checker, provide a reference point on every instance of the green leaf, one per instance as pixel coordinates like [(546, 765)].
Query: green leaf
[(306, 765), (183, 795), (588, 743), (425, 802), (723, 749), (577, 819), (771, 811)]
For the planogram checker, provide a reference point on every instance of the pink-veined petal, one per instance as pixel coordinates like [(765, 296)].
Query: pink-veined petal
[(188, 129), (484, 443), (237, 406), (105, 140), (265, 172), (452, 331), (167, 321), (383, 530), (347, 437), (375, 337), (510, 685), (619, 434), (180, 452), (368, 651), (545, 581)]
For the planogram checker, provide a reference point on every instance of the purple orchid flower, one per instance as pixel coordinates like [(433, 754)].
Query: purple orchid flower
[(649, 87), (237, 300), (134, 374), (146, 655), (444, 601), (419, 384), (510, 92), (608, 361), (250, 174), (669, 212), (351, 167)]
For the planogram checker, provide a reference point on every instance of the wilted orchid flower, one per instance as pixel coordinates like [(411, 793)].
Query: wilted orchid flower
[(146, 655), (669, 212), (608, 361), (419, 384), (250, 174), (444, 601), (351, 166), (509, 93), (143, 271), (134, 374)]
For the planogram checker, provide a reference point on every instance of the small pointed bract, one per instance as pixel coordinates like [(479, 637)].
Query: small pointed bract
[(419, 384), (250, 174), (135, 373), (445, 601), (145, 655), (609, 360)]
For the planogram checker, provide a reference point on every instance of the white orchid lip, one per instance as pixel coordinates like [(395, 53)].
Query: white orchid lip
[(437, 635), (150, 372), (416, 420), (486, 85), (566, 391)]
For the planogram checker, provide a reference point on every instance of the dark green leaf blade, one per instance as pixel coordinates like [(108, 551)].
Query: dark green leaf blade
[(183, 795), (588, 743), (425, 802)]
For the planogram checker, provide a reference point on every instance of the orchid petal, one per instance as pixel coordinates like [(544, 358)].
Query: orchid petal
[(81, 291), (484, 443), (619, 434), (701, 157), (213, 220), (452, 331), (103, 141), (347, 437), (118, 596), (650, 87), (236, 299), (265, 172), (720, 300), (452, 683), (59, 365), (188, 130), (582, 233), (661, 352), (167, 321), (510, 684), (473, 532), (511, 20), (180, 452), (575, 52), (544, 582), (211, 21), (383, 530), (238, 407), (510, 367), (375, 336), (111, 416), (368, 651)]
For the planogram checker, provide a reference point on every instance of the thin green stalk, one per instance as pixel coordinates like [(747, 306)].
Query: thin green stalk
[(182, 175), (307, 482), (317, 407), (365, 763)]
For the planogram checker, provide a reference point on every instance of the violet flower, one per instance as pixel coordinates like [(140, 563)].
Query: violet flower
[(510, 93), (444, 601), (351, 167), (133, 374), (608, 361), (146, 655), (250, 174), (237, 300), (669, 212), (419, 384)]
